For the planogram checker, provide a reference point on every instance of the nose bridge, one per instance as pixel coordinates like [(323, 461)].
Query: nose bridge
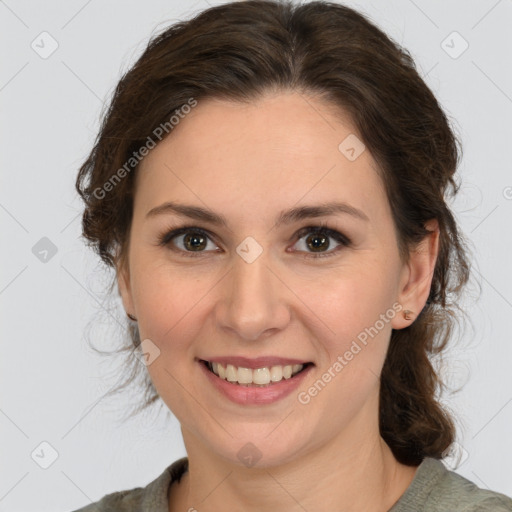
[(252, 304)]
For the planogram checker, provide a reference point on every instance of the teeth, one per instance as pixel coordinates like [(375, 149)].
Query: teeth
[(276, 373), (244, 376), (261, 376), (258, 376), (231, 373)]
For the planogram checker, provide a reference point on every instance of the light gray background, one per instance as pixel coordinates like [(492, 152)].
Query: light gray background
[(52, 381)]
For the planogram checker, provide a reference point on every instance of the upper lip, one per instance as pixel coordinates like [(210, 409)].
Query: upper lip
[(257, 362)]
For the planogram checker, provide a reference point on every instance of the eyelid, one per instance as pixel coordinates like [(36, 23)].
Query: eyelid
[(169, 234), (322, 228), (172, 232)]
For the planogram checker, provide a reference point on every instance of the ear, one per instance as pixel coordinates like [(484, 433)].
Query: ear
[(416, 276), (124, 286)]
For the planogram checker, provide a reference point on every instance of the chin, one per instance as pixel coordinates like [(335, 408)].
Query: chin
[(255, 448)]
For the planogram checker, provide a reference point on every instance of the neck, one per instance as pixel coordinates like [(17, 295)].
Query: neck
[(359, 478)]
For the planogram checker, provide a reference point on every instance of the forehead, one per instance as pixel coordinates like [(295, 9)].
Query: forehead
[(275, 152)]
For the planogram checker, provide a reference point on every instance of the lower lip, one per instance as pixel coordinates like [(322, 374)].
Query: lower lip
[(246, 395)]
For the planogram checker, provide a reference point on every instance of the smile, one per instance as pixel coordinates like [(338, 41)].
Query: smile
[(254, 377)]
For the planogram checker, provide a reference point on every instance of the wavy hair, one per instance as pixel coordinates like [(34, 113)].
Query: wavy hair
[(242, 50)]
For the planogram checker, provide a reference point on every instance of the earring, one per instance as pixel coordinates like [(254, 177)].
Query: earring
[(406, 314), (131, 317)]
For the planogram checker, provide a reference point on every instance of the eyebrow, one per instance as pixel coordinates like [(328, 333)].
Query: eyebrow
[(285, 217)]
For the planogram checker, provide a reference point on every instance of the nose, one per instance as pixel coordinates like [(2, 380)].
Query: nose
[(253, 300)]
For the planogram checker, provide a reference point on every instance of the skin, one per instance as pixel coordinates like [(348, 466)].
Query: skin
[(248, 163)]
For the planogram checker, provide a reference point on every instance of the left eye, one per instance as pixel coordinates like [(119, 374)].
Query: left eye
[(194, 241), (318, 239)]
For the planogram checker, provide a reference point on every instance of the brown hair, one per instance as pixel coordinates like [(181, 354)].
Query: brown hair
[(242, 50)]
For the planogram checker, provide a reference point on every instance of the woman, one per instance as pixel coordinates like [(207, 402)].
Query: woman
[(270, 186)]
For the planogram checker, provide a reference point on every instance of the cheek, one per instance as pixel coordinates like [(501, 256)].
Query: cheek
[(171, 314), (356, 313), (169, 301), (354, 304)]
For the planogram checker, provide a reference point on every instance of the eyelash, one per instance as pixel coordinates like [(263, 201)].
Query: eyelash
[(167, 236)]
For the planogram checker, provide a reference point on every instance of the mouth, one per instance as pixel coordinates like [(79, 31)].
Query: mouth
[(264, 376)]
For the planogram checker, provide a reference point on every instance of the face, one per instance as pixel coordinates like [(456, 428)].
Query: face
[(301, 288)]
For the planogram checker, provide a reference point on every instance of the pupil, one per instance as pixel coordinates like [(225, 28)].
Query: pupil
[(192, 240), (322, 239)]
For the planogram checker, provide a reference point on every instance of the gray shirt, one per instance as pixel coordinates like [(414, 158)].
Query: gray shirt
[(433, 489)]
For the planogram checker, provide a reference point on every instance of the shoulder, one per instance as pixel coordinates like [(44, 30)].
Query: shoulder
[(465, 495), (437, 489), (122, 501), (153, 497)]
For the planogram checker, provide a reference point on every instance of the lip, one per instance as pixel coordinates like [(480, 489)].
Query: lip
[(257, 362), (243, 395)]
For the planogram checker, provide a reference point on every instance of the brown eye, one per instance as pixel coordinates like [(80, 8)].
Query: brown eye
[(194, 242), (187, 240), (318, 241)]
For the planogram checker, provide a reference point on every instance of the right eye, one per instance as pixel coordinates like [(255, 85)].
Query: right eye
[(193, 242)]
